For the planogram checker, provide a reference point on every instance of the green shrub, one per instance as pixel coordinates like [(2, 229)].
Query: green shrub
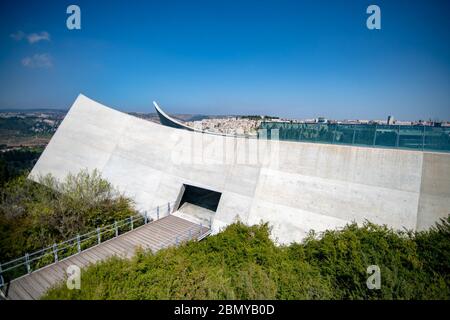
[(36, 215), (243, 263)]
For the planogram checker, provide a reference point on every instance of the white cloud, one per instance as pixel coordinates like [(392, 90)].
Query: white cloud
[(32, 37), (19, 35), (43, 60), (36, 37)]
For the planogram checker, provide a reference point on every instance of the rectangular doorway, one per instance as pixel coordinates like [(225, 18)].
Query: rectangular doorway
[(197, 204)]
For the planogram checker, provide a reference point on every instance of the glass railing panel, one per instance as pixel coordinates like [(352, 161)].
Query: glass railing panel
[(392, 136), (364, 135), (437, 138), (345, 134), (309, 133), (387, 136), (411, 137), (325, 133)]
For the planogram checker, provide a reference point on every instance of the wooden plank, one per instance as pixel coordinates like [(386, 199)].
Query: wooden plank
[(75, 261), (38, 284), (134, 238), (81, 260), (28, 287), (51, 275), (171, 230), (174, 220), (43, 281), (150, 243), (95, 252), (16, 288), (92, 256), (19, 291), (39, 281), (111, 250), (123, 251), (161, 234), (88, 257), (168, 230), (143, 242), (62, 266), (182, 228), (25, 292), (121, 245), (155, 236), (100, 252), (175, 226), (158, 241), (58, 270), (147, 240), (13, 293), (126, 244)]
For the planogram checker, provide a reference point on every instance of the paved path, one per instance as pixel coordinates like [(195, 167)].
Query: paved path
[(154, 236)]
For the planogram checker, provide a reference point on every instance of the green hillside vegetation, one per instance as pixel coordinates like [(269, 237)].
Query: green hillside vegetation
[(14, 163), (25, 125), (243, 263), (34, 215)]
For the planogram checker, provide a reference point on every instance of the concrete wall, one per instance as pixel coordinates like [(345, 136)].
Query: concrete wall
[(434, 201), (295, 186)]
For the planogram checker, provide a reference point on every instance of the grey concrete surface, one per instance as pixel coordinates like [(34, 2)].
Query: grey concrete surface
[(195, 214), (295, 186)]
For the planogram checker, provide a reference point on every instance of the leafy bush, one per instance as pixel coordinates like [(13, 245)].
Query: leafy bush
[(243, 263), (35, 215), (16, 162)]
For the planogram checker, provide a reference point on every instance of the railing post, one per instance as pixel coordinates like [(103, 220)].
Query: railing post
[(78, 243), (168, 208), (334, 133), (423, 138), (145, 217), (99, 239), (55, 251), (397, 141), (131, 222), (116, 228), (375, 136), (2, 281), (27, 262), (157, 213)]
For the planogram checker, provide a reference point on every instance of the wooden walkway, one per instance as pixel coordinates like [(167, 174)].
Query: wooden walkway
[(154, 236)]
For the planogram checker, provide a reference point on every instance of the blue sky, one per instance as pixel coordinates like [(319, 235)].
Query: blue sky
[(289, 58)]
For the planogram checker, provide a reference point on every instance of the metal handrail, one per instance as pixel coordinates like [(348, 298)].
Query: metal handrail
[(78, 240)]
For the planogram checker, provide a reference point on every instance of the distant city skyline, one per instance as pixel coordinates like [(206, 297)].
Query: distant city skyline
[(292, 59)]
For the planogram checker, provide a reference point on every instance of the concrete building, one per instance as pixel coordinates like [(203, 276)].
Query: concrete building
[(390, 120), (295, 186)]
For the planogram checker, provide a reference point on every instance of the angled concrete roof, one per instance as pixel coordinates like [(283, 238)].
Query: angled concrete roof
[(167, 120), (294, 186)]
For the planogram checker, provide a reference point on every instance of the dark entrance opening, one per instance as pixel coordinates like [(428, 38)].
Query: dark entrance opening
[(204, 198)]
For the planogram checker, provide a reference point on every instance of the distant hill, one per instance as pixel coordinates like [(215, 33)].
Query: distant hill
[(198, 117), (44, 110)]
